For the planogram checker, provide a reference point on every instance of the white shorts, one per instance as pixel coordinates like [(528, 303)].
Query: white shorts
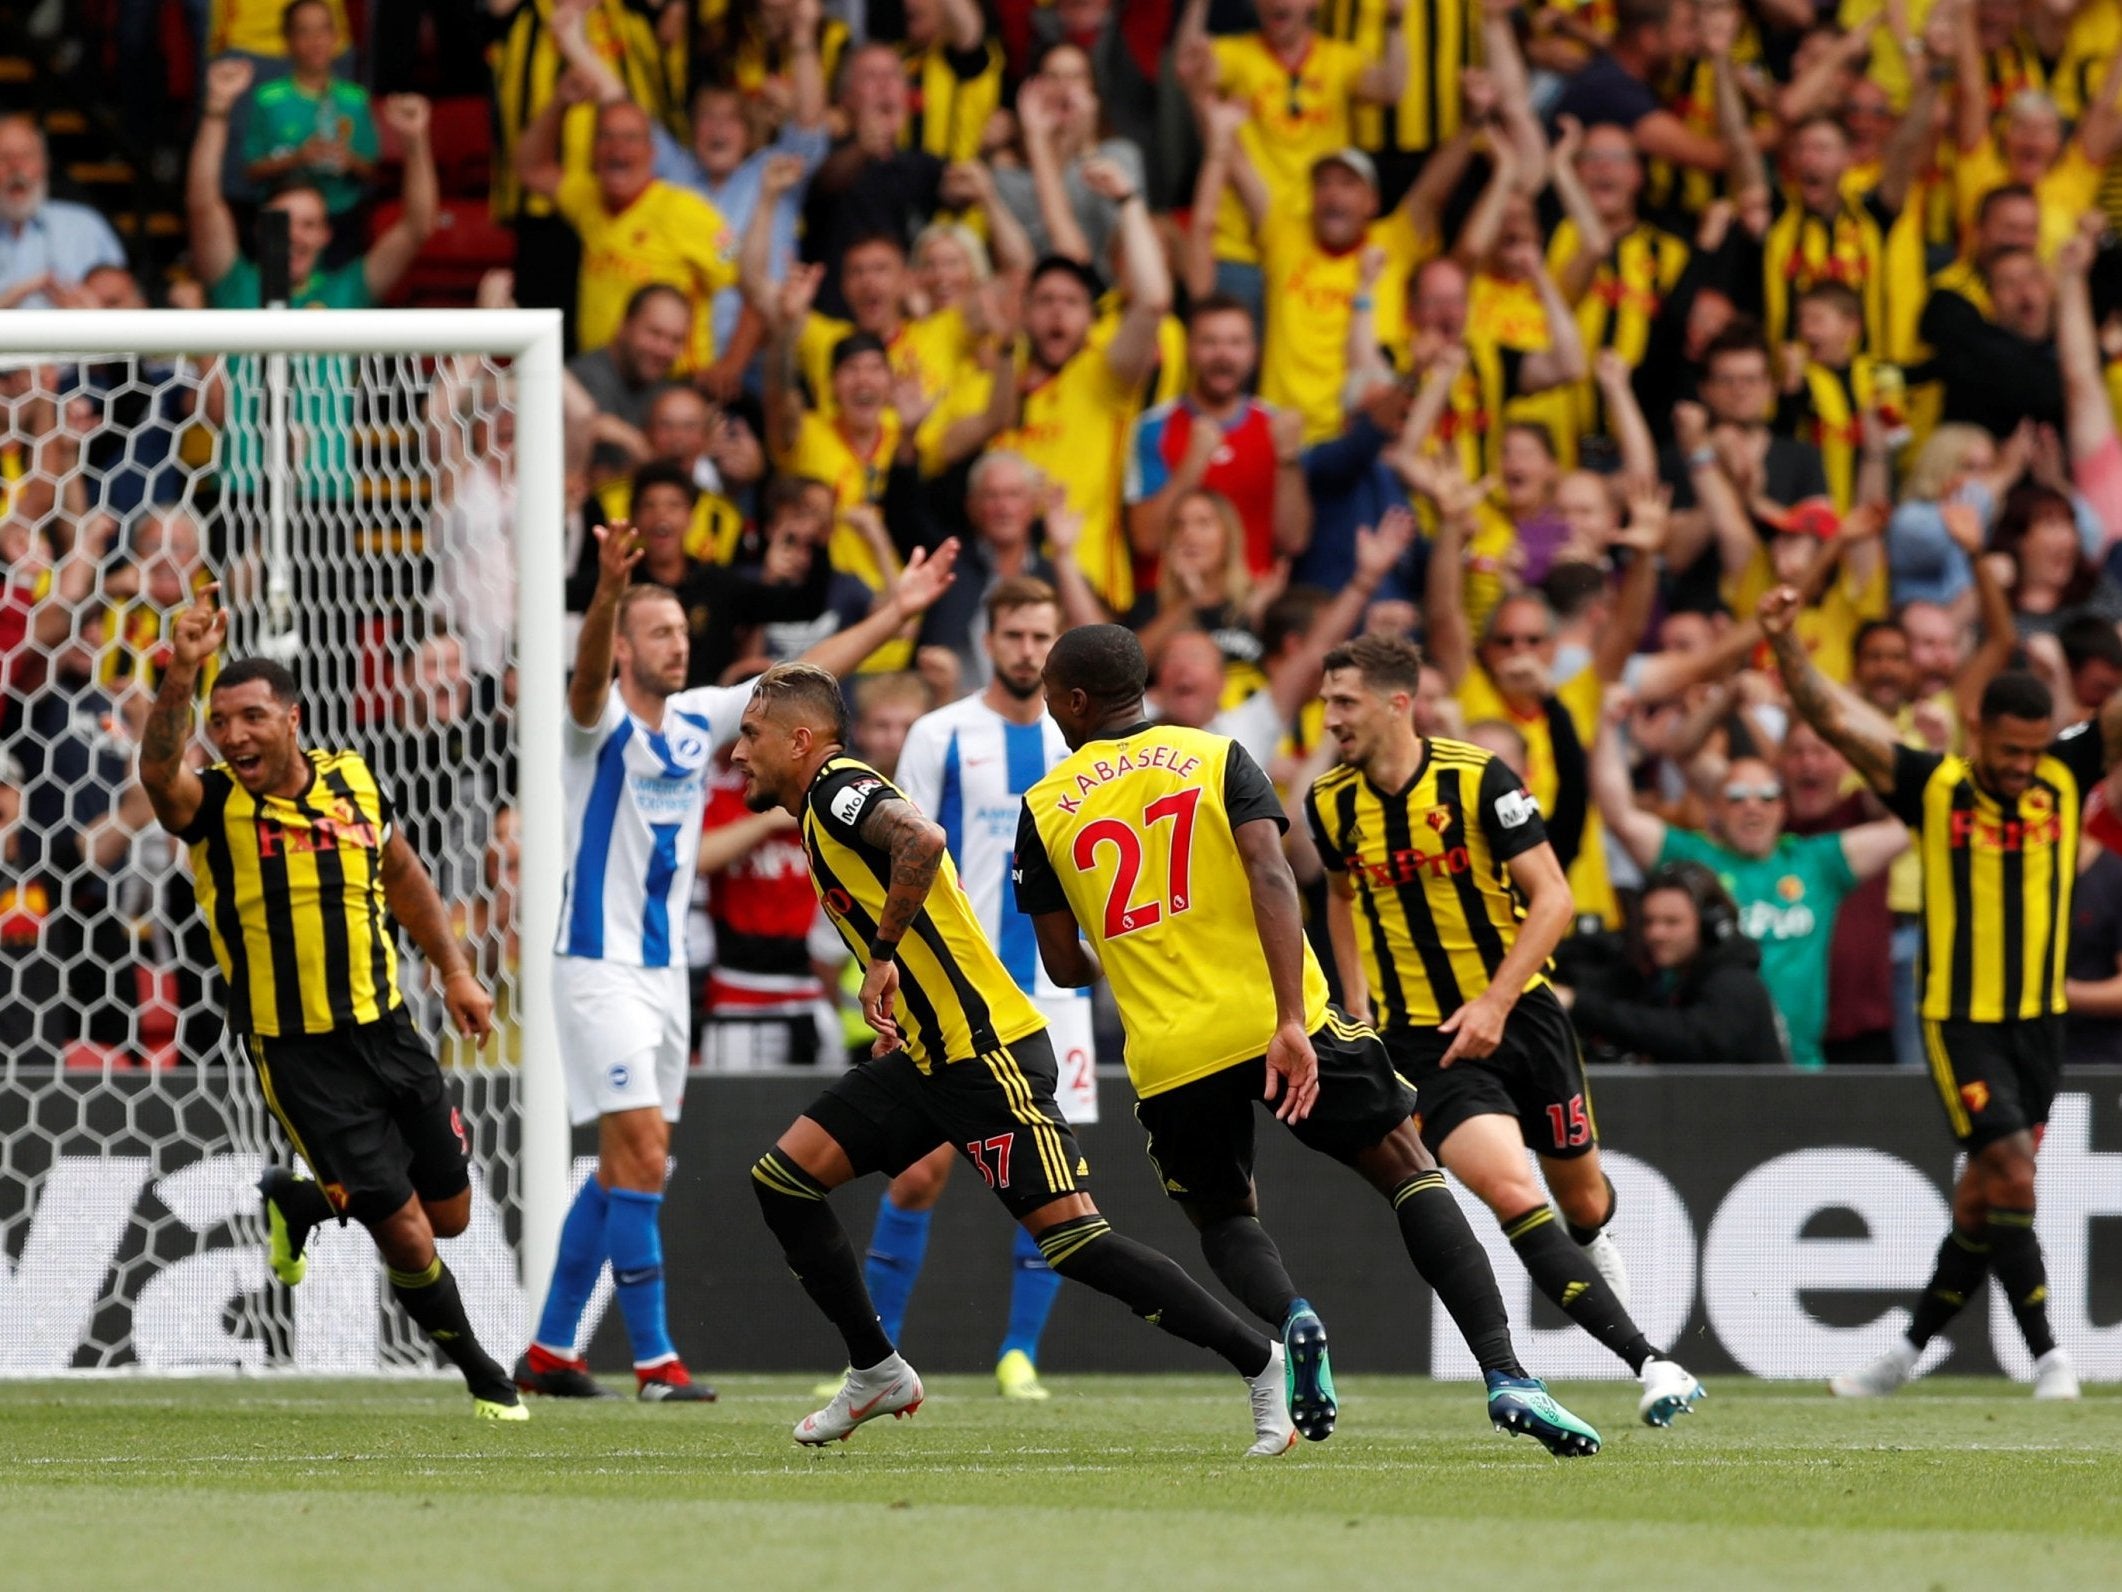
[(1068, 1027), (624, 1033)]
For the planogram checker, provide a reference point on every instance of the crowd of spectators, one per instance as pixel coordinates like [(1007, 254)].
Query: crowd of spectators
[(1554, 337)]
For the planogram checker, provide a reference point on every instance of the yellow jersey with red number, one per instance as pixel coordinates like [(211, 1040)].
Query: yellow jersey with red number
[(1135, 835)]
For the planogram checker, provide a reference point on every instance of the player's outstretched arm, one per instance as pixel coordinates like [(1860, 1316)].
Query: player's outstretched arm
[(173, 790), (1278, 916), (618, 551), (1846, 724), (414, 902), (916, 848), (926, 577)]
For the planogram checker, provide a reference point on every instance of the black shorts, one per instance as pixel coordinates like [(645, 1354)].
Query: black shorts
[(996, 1110), (1995, 1079), (369, 1111), (1536, 1074), (1201, 1133)]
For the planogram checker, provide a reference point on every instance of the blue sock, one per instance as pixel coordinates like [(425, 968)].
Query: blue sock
[(1031, 1296), (575, 1271), (897, 1245), (637, 1272)]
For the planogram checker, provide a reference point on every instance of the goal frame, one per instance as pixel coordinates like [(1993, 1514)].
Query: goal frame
[(531, 340)]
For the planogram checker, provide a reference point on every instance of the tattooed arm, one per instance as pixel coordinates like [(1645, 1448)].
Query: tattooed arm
[(173, 790), (1851, 727), (916, 849)]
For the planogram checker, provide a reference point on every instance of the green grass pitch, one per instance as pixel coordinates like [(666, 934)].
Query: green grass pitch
[(1118, 1482)]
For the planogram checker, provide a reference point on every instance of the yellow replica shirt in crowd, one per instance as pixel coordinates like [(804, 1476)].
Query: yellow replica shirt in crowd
[(937, 351), (1134, 835), (669, 235), (750, 59), (1997, 879), (824, 451), (1443, 40), (1311, 294), (1828, 628), (254, 27), (2066, 191), (1509, 315), (1622, 299), (1472, 422), (1828, 411), (950, 98), (1073, 427), (1558, 734), (1803, 250), (957, 1002), (291, 888), (712, 537), (1435, 909), (1300, 111)]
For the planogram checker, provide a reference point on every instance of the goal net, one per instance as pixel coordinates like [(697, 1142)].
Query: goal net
[(378, 496)]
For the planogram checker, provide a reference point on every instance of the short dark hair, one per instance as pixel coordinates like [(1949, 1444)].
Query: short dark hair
[(1387, 663), (661, 472), (1871, 628), (1018, 591), (1742, 336), (1218, 304), (287, 13), (2087, 638), (1572, 586), (278, 678), (1631, 16), (648, 293), (1836, 296), (1290, 614), (2016, 694), (1086, 278), (872, 237), (856, 344), (785, 492), (2003, 193), (1104, 662), (806, 692), (1539, 431)]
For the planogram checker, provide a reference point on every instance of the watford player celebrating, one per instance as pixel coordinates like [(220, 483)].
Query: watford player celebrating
[(962, 1059), (1462, 900), (1997, 831), (1165, 845)]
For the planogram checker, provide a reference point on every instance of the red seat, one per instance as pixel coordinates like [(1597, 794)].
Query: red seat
[(465, 246), (461, 133)]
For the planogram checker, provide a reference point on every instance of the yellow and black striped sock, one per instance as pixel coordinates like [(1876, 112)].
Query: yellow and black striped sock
[(1963, 1261), (816, 1248), (2015, 1259), (430, 1297), (1085, 1249), (1562, 1271), (1453, 1263)]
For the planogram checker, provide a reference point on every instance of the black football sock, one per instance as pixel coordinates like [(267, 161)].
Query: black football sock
[(431, 1298), (1087, 1250), (1246, 1262), (1963, 1261), (1581, 1236), (1453, 1263), (1566, 1275), (2015, 1257), (816, 1246)]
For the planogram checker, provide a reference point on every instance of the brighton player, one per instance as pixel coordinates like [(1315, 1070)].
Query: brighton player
[(967, 766), (637, 753)]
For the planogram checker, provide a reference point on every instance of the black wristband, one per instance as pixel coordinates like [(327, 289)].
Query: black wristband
[(883, 950)]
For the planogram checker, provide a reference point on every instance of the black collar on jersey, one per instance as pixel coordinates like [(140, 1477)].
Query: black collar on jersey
[(1429, 743), (1133, 729)]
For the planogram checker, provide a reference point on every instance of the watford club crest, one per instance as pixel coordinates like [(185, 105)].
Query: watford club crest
[(1976, 1095), (2036, 805), (1791, 888), (1438, 818)]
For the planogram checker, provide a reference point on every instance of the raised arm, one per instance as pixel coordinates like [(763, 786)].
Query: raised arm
[(539, 166), (1850, 726), (211, 224), (1649, 516), (1563, 360), (784, 394), (1133, 348), (1641, 832), (1293, 679), (603, 85), (1506, 70), (1278, 918), (2089, 415), (1909, 146), (1385, 80), (391, 255), (1868, 849), (1743, 163), (1451, 640), (618, 551), (173, 790), (1038, 117), (755, 250), (1997, 625), (925, 578), (1625, 420), (1484, 223), (414, 902), (1220, 162), (1593, 239)]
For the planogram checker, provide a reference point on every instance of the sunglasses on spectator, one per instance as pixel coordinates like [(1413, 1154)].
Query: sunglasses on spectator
[(1512, 642), (1753, 793)]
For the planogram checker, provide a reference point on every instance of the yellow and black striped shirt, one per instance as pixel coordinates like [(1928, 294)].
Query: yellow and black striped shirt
[(951, 95), (1803, 249), (1443, 40), (1626, 291), (957, 1002), (1997, 878), (291, 888), (1434, 897)]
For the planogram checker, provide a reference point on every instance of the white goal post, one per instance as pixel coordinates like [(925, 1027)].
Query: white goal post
[(519, 353)]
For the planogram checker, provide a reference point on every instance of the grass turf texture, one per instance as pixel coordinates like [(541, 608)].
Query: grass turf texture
[(1122, 1482)]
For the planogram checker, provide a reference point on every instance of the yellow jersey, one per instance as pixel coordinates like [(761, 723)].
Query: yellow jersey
[(2066, 191), (713, 536), (669, 234), (957, 1002), (1626, 291), (1073, 427), (1135, 836), (1435, 907), (1301, 110), (1443, 40), (823, 451), (1311, 295)]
